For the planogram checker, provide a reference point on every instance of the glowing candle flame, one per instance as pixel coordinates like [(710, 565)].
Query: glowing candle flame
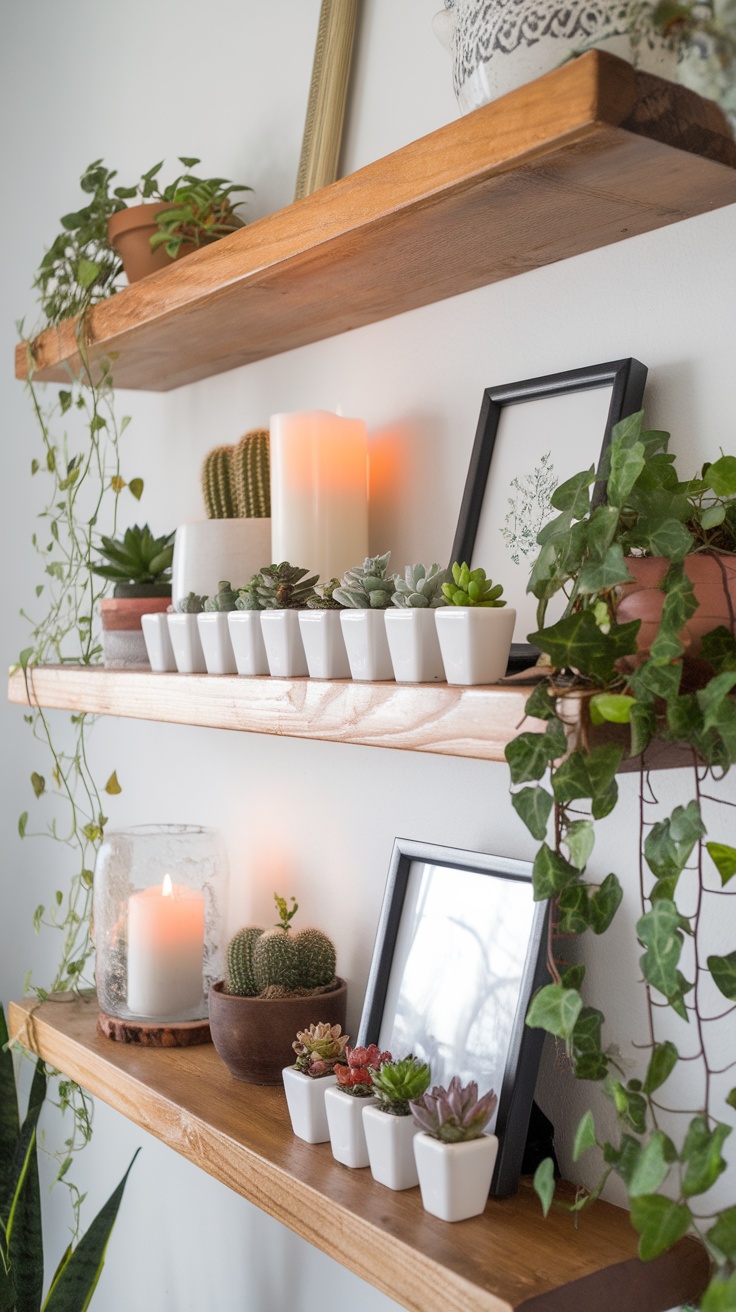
[(167, 888)]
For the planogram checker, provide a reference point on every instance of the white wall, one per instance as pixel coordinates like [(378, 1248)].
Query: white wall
[(228, 81)]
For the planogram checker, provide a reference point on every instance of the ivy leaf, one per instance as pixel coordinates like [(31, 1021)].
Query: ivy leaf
[(596, 576), (23, 821), (659, 1222), (662, 1062), (38, 783), (577, 643), (574, 910), (627, 462), (659, 932), (669, 843), (580, 840), (670, 539), (544, 1183), (724, 859), (722, 1235), (555, 1009), (573, 978), (679, 606), (702, 1152), (572, 496), (653, 1166), (539, 704), (630, 1105), (584, 1136), (723, 970), (529, 754), (588, 1059), (135, 487), (719, 648), (112, 786), (87, 271), (551, 873), (711, 698), (643, 725), (614, 707), (604, 904), (721, 476), (533, 806), (720, 1296)]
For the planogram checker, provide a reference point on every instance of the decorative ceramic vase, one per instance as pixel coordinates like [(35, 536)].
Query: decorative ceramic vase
[(246, 637), (364, 632), (158, 642), (253, 1036), (345, 1119), (414, 646), (390, 1142), (187, 645), (283, 642), (475, 642), (324, 645), (206, 551), (305, 1098), (214, 635), (455, 1178), (714, 580)]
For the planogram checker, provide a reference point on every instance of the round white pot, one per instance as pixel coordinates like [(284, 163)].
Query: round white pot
[(345, 1120), (364, 632), (414, 646), (246, 637), (305, 1099), (214, 634), (455, 1178), (324, 645), (207, 551), (475, 642), (390, 1142), (158, 642), (184, 634), (283, 642)]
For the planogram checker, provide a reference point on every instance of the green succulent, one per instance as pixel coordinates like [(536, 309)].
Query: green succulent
[(472, 588), (367, 586), (225, 599), (249, 597), (323, 598), (191, 604), (420, 587), (397, 1082), (281, 587), (137, 558)]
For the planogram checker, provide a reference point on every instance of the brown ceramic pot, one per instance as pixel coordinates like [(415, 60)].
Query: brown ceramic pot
[(714, 580), (123, 614), (254, 1035), (129, 233)]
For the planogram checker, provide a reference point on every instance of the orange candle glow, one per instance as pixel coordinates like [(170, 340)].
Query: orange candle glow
[(165, 950)]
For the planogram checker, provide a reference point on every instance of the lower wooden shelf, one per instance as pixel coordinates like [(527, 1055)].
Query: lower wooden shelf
[(509, 1260)]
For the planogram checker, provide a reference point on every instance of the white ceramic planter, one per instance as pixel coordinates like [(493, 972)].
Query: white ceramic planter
[(184, 634), (246, 637), (345, 1120), (305, 1099), (364, 632), (390, 1142), (283, 642), (158, 642), (414, 646), (208, 550), (214, 634), (475, 642), (455, 1178), (324, 645)]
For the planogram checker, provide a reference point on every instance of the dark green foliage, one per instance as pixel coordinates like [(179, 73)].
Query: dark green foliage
[(137, 557)]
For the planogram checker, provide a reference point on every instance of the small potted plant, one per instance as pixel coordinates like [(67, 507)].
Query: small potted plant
[(283, 591), (214, 631), (454, 1156), (140, 567), (318, 1050), (324, 645), (277, 984), (410, 624), (184, 634), (475, 629), (346, 1101), (366, 592), (246, 634), (389, 1126)]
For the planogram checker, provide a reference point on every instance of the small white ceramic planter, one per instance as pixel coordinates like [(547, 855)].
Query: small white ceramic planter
[(246, 637), (184, 634), (283, 642), (158, 642), (345, 1119), (475, 642), (414, 646), (324, 645), (364, 632), (390, 1141), (455, 1178), (214, 635), (305, 1099)]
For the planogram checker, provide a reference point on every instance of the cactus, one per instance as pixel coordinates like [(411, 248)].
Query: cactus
[(276, 960), (191, 604), (454, 1114), (396, 1083), (318, 1049), (472, 588), (251, 475), (239, 962), (420, 587), (226, 598), (283, 587), (367, 586), (355, 1078), (276, 963), (316, 958), (217, 484), (323, 598)]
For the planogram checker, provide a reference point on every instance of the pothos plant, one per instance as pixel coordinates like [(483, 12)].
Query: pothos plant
[(668, 1156)]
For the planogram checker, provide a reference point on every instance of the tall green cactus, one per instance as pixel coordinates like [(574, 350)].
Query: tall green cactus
[(236, 479), (217, 484)]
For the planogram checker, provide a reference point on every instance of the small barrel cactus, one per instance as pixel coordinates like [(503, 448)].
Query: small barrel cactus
[(470, 587), (236, 479), (191, 604), (240, 975), (454, 1114), (318, 1049), (277, 963), (367, 586), (217, 484), (420, 587), (226, 598), (355, 1078), (323, 598), (396, 1083), (283, 587)]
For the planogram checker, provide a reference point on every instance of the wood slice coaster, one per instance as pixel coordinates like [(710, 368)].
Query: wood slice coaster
[(155, 1034)]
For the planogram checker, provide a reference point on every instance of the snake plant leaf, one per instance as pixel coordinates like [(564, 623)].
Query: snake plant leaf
[(722, 1235), (9, 1118), (662, 1062), (26, 1242), (577, 643), (659, 1223), (724, 859), (555, 1009), (534, 806), (723, 970), (76, 1282), (702, 1154)]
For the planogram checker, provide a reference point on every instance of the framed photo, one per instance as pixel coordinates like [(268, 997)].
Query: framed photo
[(460, 948), (531, 437), (328, 93)]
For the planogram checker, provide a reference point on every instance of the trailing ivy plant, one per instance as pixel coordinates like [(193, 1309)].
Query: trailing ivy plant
[(668, 1156)]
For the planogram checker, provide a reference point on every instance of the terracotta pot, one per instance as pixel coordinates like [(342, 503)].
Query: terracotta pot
[(714, 580), (129, 233), (254, 1035), (124, 613)]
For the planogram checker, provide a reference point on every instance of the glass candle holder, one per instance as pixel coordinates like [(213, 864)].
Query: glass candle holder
[(160, 895)]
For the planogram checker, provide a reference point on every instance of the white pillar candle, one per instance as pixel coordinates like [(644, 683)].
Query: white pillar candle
[(165, 951), (319, 491)]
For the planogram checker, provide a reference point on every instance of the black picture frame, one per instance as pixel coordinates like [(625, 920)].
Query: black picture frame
[(521, 1063)]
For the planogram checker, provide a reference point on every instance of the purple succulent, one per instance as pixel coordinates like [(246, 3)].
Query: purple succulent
[(454, 1114)]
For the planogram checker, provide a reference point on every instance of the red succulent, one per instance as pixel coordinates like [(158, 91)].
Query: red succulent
[(355, 1078)]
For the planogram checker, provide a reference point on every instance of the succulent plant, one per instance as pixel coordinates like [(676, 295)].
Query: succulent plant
[(191, 604), (225, 599), (454, 1114), (138, 558), (355, 1078), (282, 587), (248, 597), (323, 598), (396, 1083), (367, 586), (318, 1049), (420, 587), (278, 963), (470, 587), (236, 480)]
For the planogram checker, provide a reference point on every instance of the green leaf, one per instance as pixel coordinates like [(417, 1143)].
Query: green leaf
[(22, 824), (643, 726), (584, 1136), (670, 842), (659, 932), (712, 697), (573, 977), (724, 859), (722, 1235), (135, 486), (73, 1289), (529, 754), (544, 1183), (712, 517), (551, 873), (112, 786), (555, 1009), (9, 1118), (580, 840), (87, 272), (588, 1059), (533, 806), (662, 1062), (630, 1105), (38, 783), (670, 539), (626, 465), (597, 576), (574, 910), (719, 647), (702, 1153), (612, 707), (720, 1296), (652, 1166), (604, 904), (539, 704), (572, 497), (26, 1242), (721, 476), (659, 1222), (723, 970), (577, 643), (731, 1098)]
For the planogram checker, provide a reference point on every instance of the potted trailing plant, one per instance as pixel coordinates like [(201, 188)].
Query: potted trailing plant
[(139, 565), (475, 628), (281, 592), (184, 633), (324, 644), (410, 624), (214, 631), (454, 1156), (366, 591), (389, 1127), (346, 1101), (277, 982), (318, 1050)]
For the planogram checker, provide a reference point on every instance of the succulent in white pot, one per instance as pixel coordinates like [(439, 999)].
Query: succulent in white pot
[(324, 644), (346, 1101), (410, 625), (365, 592), (214, 631), (184, 634), (454, 1156), (475, 628), (389, 1127), (318, 1050), (246, 635), (282, 591)]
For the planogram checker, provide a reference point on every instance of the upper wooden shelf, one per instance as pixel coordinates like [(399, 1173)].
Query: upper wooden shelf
[(587, 155), (509, 1260)]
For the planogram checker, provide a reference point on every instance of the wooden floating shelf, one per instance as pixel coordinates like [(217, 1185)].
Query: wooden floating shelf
[(590, 154), (509, 1260)]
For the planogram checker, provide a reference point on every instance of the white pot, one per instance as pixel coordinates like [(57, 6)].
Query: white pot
[(158, 642), (364, 632), (414, 646), (455, 1178), (184, 634), (324, 645), (247, 640), (475, 642), (345, 1119), (214, 634), (305, 1099), (390, 1141), (283, 642), (208, 551)]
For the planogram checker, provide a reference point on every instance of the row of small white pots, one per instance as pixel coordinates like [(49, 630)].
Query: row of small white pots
[(462, 644), (455, 1179)]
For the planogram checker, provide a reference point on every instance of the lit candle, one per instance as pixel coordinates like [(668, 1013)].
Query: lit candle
[(165, 951), (319, 491)]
